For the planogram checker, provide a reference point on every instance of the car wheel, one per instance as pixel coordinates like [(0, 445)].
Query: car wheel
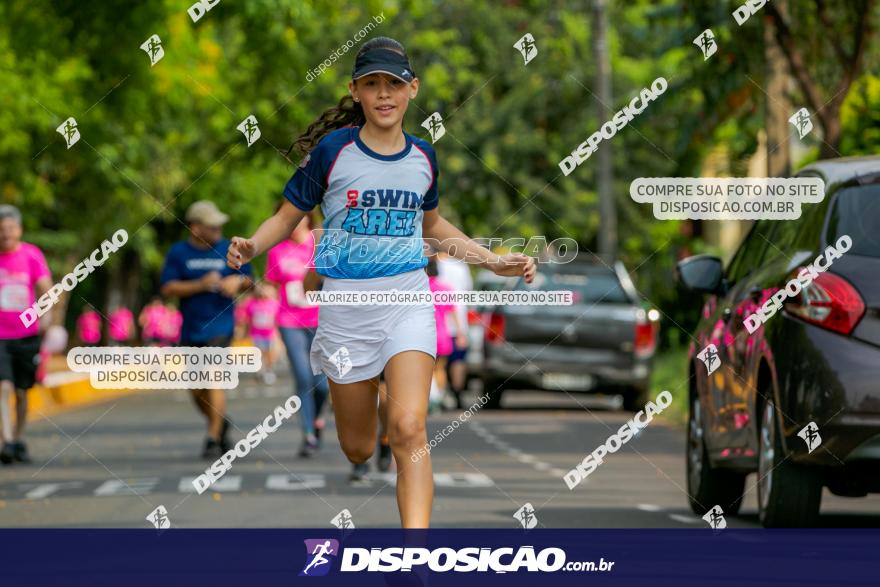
[(635, 398), (709, 486), (493, 389), (789, 494)]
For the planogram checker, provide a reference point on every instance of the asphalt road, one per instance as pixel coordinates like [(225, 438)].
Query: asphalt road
[(112, 464)]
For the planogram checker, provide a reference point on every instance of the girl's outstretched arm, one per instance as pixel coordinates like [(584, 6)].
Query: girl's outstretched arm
[(271, 232), (457, 244)]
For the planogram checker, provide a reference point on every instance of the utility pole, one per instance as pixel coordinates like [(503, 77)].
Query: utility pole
[(605, 176), (777, 107)]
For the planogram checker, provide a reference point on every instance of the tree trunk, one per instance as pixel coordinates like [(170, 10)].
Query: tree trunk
[(777, 107), (833, 134)]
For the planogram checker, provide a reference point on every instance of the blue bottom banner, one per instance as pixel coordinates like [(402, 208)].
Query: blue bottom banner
[(364, 557)]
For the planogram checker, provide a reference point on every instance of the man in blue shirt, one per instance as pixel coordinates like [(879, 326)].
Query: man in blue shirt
[(196, 272)]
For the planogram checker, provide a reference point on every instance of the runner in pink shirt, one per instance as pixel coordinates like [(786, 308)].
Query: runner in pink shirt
[(259, 314), (287, 264), (171, 325), (121, 328), (24, 278), (88, 327), (442, 313), (150, 321)]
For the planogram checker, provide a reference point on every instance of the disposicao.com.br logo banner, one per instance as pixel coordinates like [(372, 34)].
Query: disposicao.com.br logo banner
[(698, 555), (321, 553)]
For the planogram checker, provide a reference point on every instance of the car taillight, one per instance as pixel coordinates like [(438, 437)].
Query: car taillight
[(645, 339), (473, 317), (495, 329), (830, 302)]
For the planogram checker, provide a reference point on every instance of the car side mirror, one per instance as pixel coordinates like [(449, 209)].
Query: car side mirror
[(701, 273)]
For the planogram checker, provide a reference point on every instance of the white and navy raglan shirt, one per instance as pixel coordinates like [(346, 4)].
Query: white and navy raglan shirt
[(373, 204)]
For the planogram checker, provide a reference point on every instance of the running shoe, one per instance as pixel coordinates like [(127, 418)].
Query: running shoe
[(20, 452), (319, 429), (213, 450), (384, 455), (459, 403), (7, 454), (309, 447), (359, 473), (225, 442)]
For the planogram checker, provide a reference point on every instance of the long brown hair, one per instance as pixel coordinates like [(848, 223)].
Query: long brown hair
[(347, 112)]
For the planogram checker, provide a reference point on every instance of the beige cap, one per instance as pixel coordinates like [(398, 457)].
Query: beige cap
[(206, 212)]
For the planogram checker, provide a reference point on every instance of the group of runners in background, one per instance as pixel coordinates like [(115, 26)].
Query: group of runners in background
[(159, 322)]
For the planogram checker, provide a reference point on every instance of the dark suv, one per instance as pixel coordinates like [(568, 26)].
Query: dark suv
[(797, 400)]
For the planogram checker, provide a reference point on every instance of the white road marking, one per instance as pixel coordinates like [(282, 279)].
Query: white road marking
[(282, 482), (226, 483), (649, 507), (457, 480), (44, 490), (685, 519), (233, 484), (515, 453), (120, 487)]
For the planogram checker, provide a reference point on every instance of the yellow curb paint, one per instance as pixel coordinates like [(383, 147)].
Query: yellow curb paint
[(47, 401)]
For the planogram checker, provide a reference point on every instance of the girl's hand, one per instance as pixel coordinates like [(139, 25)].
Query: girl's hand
[(241, 250), (514, 265)]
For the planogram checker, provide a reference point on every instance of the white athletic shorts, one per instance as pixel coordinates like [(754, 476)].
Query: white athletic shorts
[(353, 343)]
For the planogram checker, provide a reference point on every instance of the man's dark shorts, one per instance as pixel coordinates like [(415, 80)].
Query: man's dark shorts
[(458, 354), (224, 341), (19, 358)]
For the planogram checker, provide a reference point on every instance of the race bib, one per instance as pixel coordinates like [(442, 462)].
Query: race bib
[(14, 296), (296, 296), (263, 320)]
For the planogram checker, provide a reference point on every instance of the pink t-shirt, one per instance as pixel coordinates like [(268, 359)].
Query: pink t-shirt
[(88, 327), (288, 263), (444, 342), (153, 316), (261, 314), (171, 325), (19, 271), (121, 324)]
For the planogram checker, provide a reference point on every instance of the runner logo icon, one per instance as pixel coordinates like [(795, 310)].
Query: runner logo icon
[(320, 553)]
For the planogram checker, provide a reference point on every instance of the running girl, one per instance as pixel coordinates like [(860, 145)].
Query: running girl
[(377, 188)]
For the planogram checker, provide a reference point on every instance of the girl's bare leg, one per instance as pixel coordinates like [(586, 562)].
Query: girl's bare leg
[(408, 378), (440, 373), (383, 409), (354, 405)]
